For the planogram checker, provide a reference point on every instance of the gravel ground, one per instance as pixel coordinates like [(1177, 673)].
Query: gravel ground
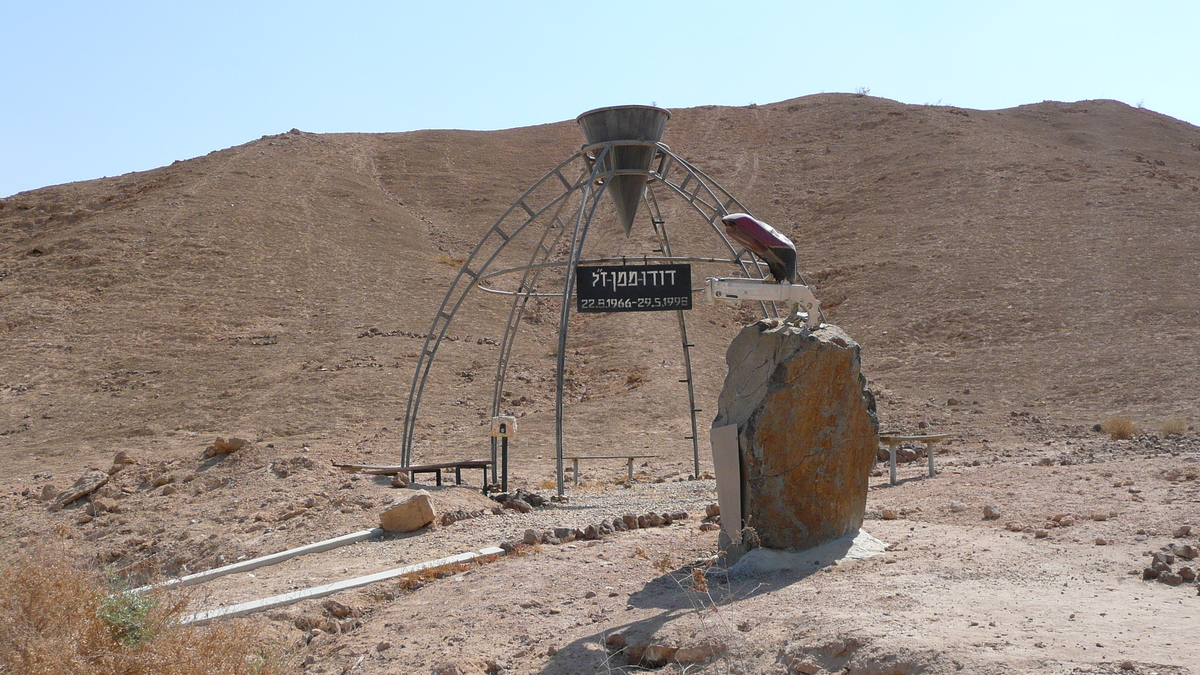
[(585, 507)]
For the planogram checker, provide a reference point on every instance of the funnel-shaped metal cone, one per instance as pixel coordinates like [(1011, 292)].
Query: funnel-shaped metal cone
[(630, 162)]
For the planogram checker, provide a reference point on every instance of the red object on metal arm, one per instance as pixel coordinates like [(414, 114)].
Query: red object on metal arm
[(764, 241)]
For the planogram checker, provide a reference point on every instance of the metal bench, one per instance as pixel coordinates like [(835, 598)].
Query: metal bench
[(894, 440), (628, 458), (384, 470)]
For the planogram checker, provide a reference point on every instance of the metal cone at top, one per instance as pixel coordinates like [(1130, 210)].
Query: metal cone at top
[(630, 162)]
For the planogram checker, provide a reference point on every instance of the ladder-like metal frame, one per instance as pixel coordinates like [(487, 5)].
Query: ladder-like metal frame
[(697, 189)]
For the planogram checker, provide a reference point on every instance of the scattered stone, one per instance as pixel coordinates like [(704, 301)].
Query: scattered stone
[(643, 521), (411, 514), (1187, 573), (1149, 573), (1170, 579), (531, 537), (888, 514), (383, 646), (103, 505), (518, 505), (631, 522), (1182, 531), (1127, 665), (88, 483), (169, 490), (1101, 541), (657, 656), (712, 510), (709, 527), (803, 667), (589, 595), (450, 668), (604, 528), (679, 515), (615, 640), (591, 532), (1067, 521), (224, 447), (1187, 552), (49, 492), (698, 654), (1041, 534), (991, 512), (399, 481), (957, 507), (1014, 526), (655, 520), (336, 608), (1099, 516)]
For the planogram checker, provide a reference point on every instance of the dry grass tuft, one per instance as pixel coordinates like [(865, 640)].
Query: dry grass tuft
[(1174, 426), (59, 620), (1119, 428), (450, 260)]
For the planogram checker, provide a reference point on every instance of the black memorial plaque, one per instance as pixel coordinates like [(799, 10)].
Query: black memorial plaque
[(633, 288)]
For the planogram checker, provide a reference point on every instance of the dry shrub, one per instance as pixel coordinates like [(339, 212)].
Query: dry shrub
[(450, 260), (1119, 428), (59, 620), (1174, 426)]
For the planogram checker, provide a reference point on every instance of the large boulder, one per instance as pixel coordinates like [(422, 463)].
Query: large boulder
[(807, 432), (412, 513)]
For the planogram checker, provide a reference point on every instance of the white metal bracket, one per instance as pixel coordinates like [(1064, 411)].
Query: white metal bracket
[(799, 297)]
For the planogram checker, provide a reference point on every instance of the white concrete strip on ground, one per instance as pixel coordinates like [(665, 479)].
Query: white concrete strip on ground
[(274, 558), (272, 602)]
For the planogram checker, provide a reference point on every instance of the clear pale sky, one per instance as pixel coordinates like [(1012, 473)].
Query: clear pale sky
[(89, 89)]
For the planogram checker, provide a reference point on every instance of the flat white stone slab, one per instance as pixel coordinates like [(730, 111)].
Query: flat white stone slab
[(274, 601), (766, 561), (727, 467)]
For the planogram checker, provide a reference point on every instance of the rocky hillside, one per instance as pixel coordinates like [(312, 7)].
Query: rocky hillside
[(1035, 263)]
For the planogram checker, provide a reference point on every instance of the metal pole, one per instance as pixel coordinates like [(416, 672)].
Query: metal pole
[(494, 461), (504, 474)]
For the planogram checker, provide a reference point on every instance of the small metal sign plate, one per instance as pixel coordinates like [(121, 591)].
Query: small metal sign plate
[(633, 288)]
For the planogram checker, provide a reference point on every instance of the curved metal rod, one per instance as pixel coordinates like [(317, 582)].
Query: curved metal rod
[(529, 281), (731, 200), (664, 243), (443, 318), (578, 236), (718, 207)]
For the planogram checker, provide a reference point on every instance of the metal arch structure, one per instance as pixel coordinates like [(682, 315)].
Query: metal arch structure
[(592, 175)]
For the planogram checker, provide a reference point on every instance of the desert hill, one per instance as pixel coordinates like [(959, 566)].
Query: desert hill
[(1041, 259)]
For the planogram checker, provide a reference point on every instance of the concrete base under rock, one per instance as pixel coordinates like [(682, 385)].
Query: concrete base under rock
[(760, 561)]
